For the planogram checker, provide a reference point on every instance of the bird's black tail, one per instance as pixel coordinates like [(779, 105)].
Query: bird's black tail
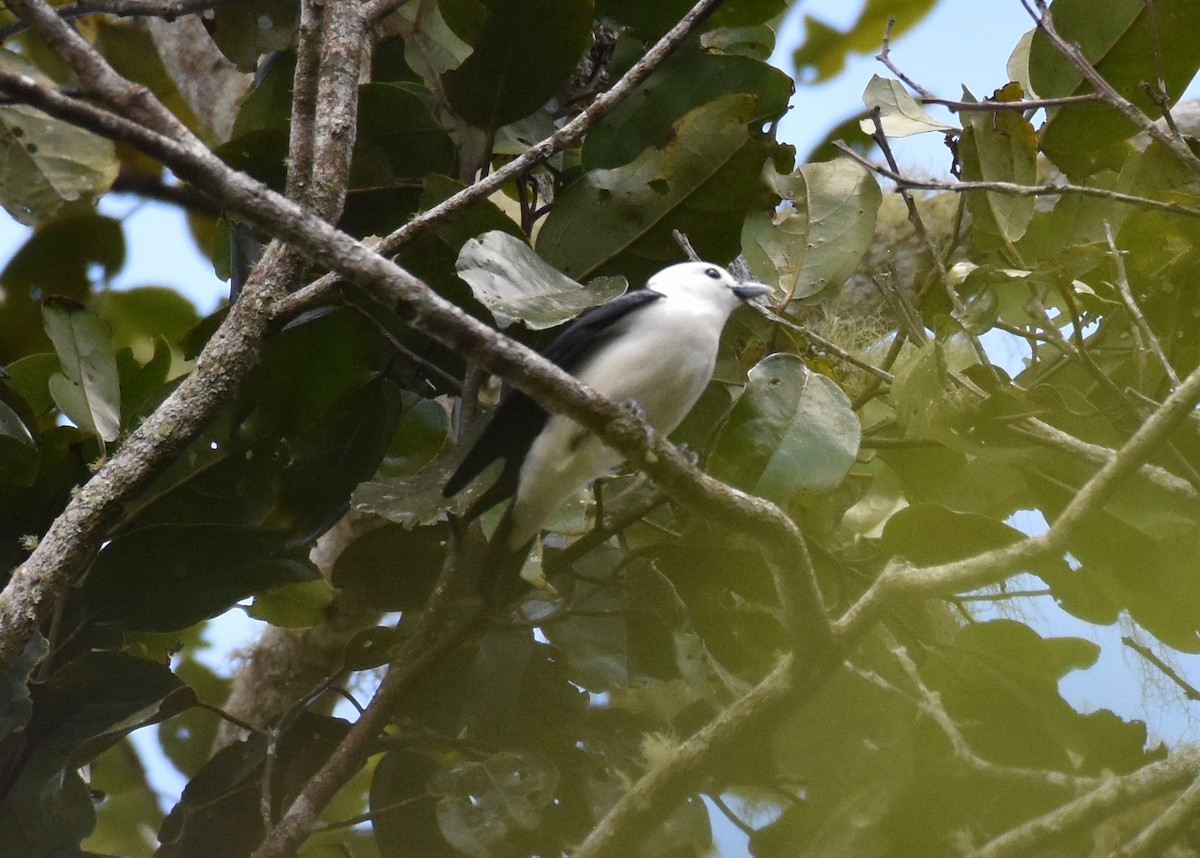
[(498, 566)]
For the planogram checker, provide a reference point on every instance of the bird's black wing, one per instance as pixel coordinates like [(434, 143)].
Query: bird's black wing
[(517, 420), (593, 329)]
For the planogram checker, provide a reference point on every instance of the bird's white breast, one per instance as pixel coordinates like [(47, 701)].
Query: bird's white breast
[(662, 358)]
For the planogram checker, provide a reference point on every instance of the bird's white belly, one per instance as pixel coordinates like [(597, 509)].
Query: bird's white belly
[(664, 372)]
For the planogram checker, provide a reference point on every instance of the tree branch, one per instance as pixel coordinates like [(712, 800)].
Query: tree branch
[(567, 135), (658, 791), (81, 529), (1105, 801), (168, 9), (931, 704), (445, 621), (1106, 91), (906, 182), (903, 579), (1135, 312), (1166, 828)]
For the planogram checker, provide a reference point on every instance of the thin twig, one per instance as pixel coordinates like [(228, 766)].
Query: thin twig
[(918, 222), (445, 621), (1052, 436), (1135, 312), (990, 106), (909, 183), (1171, 673), (885, 57), (827, 345), (901, 577), (931, 705)]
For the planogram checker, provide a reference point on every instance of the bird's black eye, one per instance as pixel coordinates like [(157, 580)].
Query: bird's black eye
[(713, 273)]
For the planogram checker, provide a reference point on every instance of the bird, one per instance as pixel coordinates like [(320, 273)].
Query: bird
[(653, 349)]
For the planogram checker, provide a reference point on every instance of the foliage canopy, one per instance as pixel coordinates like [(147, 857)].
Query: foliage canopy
[(286, 453)]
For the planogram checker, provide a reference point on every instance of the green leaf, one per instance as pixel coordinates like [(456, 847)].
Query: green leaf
[(402, 809), (927, 533), (394, 567), (88, 389), (606, 211), (168, 577), (480, 803), (46, 163), (12, 426), (219, 811), (407, 499), (899, 113), (140, 382), (682, 84), (94, 700), (138, 316), (999, 147), (500, 83), (651, 20), (514, 283), (791, 431), (432, 48), (30, 378), (820, 241), (1119, 38), (924, 408), (292, 606), (339, 450), (61, 257), (268, 104), (823, 52), (398, 137), (131, 813), (246, 30), (187, 739)]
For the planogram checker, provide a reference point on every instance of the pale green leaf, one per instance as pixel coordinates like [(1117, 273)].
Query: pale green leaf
[(292, 606), (513, 282), (13, 427), (1131, 44), (819, 241), (481, 802), (433, 48), (999, 146), (792, 431), (46, 163), (87, 390), (899, 113)]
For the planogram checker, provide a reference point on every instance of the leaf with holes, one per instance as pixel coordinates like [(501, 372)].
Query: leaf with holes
[(46, 163)]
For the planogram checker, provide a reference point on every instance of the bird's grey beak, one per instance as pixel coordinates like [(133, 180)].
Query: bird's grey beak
[(750, 291)]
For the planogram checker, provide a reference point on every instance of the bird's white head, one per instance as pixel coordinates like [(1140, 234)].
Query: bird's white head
[(705, 284)]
